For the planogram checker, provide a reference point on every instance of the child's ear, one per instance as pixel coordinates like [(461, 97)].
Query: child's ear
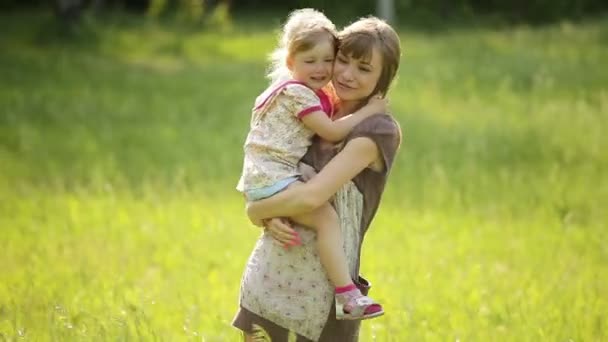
[(289, 63)]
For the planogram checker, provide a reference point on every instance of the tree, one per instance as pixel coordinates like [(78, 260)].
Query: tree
[(386, 10), (69, 11)]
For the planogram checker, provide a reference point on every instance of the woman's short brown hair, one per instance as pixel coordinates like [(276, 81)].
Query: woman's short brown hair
[(359, 39)]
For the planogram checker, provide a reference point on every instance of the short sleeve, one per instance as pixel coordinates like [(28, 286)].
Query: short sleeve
[(383, 130), (301, 100)]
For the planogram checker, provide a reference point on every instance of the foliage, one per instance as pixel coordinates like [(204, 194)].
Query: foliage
[(408, 11)]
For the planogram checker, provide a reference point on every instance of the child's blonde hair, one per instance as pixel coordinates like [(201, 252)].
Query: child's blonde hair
[(304, 28)]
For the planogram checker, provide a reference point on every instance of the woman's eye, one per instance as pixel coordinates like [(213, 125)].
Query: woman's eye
[(342, 60), (364, 69), (329, 60), (309, 62)]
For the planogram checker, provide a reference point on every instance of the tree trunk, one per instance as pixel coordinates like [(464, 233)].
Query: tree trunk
[(386, 10), (69, 11)]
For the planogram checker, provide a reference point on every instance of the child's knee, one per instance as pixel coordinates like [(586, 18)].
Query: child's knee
[(326, 217), (320, 219), (328, 211)]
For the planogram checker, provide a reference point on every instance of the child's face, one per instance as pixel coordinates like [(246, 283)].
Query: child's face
[(314, 66)]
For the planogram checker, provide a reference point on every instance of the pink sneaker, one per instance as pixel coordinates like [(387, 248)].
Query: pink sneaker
[(353, 305)]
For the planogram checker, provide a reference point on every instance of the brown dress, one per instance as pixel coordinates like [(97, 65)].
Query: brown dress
[(286, 295)]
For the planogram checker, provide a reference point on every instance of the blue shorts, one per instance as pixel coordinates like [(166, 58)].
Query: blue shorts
[(267, 191)]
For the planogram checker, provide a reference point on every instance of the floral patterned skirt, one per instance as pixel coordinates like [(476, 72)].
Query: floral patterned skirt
[(290, 287)]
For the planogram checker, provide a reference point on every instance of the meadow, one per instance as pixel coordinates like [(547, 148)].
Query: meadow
[(120, 151)]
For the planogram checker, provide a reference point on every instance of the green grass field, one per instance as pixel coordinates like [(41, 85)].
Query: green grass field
[(120, 150)]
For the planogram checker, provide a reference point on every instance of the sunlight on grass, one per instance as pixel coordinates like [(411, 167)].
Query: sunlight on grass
[(119, 157), (165, 50)]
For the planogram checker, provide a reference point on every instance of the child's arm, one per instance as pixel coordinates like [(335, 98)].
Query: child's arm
[(337, 130)]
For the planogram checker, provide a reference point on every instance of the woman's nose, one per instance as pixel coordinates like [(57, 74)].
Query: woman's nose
[(347, 73)]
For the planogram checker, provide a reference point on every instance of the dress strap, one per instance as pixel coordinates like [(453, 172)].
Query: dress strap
[(275, 90)]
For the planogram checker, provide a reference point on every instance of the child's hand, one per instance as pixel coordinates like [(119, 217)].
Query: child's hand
[(376, 105)]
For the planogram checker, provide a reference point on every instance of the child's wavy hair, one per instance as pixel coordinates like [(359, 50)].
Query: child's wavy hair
[(302, 31)]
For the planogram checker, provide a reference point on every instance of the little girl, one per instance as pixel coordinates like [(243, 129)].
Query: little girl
[(297, 105)]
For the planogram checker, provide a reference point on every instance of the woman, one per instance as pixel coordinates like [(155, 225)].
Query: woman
[(285, 294)]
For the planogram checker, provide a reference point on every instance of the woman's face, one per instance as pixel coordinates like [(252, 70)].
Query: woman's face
[(354, 79)]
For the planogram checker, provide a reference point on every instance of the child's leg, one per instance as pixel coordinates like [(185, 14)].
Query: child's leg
[(324, 220), (350, 302)]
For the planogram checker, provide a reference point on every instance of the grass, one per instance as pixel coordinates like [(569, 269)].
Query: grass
[(120, 150)]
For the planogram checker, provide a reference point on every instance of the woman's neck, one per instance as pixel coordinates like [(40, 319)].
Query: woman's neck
[(348, 107)]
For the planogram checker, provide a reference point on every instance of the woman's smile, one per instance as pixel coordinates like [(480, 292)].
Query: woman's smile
[(343, 85)]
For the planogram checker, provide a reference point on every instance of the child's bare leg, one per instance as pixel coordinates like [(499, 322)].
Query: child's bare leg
[(324, 220), (350, 302)]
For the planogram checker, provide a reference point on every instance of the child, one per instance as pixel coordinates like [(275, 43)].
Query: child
[(286, 116)]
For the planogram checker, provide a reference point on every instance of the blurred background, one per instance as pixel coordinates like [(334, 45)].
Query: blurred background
[(121, 132)]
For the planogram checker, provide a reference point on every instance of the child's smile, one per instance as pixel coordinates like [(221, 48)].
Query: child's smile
[(313, 66)]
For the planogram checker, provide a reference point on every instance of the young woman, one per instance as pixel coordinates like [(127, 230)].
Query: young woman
[(285, 294)]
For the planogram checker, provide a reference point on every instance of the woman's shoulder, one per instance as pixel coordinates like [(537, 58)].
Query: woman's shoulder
[(385, 132), (379, 124)]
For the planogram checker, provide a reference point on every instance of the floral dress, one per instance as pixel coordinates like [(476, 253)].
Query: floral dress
[(277, 139), (285, 294)]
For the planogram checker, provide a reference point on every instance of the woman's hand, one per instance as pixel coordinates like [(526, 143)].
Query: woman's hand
[(279, 228), (282, 233)]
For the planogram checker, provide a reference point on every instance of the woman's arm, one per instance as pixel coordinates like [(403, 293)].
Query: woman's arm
[(301, 198)]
